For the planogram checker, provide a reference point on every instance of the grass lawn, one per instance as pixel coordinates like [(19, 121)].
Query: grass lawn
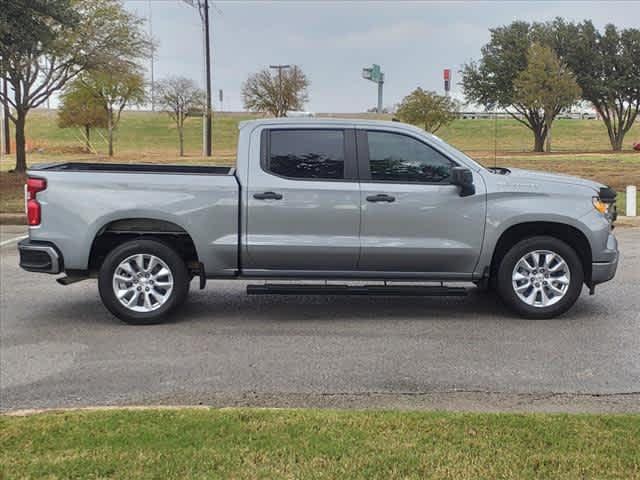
[(246, 443), (580, 147)]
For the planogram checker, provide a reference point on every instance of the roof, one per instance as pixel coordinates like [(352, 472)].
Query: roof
[(355, 122)]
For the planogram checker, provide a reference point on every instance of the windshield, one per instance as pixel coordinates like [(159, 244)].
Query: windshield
[(454, 151)]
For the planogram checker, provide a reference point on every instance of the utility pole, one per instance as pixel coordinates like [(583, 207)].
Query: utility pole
[(203, 8), (207, 54), (280, 97)]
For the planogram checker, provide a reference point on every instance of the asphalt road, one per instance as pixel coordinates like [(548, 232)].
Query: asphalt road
[(60, 347)]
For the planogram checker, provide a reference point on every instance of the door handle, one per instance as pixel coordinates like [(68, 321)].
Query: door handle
[(381, 197), (267, 196)]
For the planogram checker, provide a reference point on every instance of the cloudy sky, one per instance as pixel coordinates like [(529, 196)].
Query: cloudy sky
[(333, 40)]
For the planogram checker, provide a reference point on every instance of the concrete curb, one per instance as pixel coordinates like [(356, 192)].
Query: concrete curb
[(451, 401)]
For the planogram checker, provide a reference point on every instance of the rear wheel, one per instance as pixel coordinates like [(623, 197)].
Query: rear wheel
[(540, 277), (142, 281)]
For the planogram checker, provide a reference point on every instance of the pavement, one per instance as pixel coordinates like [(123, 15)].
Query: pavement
[(59, 347)]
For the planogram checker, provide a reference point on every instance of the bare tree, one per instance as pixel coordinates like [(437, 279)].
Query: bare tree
[(181, 98), (46, 43), (276, 94)]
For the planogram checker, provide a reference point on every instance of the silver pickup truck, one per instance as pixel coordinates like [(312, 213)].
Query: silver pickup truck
[(351, 201)]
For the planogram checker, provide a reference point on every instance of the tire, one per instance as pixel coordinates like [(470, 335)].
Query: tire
[(150, 292), (547, 290)]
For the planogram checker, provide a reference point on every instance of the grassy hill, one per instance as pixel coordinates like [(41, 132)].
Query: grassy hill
[(154, 133), (580, 147)]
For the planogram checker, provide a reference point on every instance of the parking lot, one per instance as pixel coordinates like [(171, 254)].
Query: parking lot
[(60, 347)]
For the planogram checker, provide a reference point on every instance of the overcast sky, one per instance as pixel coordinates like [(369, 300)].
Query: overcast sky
[(332, 40)]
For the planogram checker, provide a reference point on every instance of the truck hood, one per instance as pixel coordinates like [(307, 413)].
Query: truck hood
[(518, 175)]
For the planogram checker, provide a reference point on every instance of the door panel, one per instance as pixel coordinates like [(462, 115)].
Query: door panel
[(428, 228), (413, 220), (309, 222)]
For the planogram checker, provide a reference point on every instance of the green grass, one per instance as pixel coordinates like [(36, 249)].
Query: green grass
[(141, 132), (145, 132), (249, 444)]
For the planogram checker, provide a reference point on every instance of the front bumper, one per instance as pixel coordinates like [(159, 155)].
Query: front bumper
[(605, 270), (41, 257)]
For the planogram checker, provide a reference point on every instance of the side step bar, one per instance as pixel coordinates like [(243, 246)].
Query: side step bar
[(393, 290)]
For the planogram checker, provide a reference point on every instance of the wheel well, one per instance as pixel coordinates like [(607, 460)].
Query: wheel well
[(120, 231), (568, 234)]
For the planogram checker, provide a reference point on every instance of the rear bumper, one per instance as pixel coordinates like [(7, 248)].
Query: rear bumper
[(43, 257)]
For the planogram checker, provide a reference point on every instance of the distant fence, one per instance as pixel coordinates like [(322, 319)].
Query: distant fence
[(566, 116)]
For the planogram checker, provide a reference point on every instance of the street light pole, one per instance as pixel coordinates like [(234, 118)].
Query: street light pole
[(280, 68)]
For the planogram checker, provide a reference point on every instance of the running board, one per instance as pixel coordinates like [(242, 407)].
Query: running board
[(392, 290)]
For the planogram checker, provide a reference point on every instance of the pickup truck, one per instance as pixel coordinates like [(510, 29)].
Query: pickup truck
[(318, 200)]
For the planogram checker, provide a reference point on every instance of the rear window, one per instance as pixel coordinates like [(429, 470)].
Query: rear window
[(307, 154)]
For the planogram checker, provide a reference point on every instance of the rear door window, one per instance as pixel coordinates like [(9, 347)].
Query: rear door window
[(307, 154)]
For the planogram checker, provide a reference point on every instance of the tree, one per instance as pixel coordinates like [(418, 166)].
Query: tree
[(427, 109), (46, 43), (115, 89), (546, 85), (180, 98), (607, 68), (80, 108), (276, 94), (490, 81)]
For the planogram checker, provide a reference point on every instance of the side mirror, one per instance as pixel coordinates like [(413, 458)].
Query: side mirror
[(463, 178)]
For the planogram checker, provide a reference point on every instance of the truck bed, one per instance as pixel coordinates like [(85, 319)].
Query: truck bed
[(81, 200), (133, 168)]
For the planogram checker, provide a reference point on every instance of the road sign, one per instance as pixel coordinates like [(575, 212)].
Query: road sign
[(376, 74), (447, 79)]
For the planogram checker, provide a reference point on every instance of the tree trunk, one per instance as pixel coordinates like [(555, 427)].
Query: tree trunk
[(538, 145), (110, 133), (181, 140), (21, 142), (616, 141), (87, 137), (548, 147)]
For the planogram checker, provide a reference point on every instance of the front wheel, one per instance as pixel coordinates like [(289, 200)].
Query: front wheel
[(540, 277), (141, 281)]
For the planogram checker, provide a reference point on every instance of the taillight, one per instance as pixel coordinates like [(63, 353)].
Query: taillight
[(34, 214)]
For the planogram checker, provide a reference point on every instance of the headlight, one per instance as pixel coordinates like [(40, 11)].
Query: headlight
[(608, 209), (600, 205)]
